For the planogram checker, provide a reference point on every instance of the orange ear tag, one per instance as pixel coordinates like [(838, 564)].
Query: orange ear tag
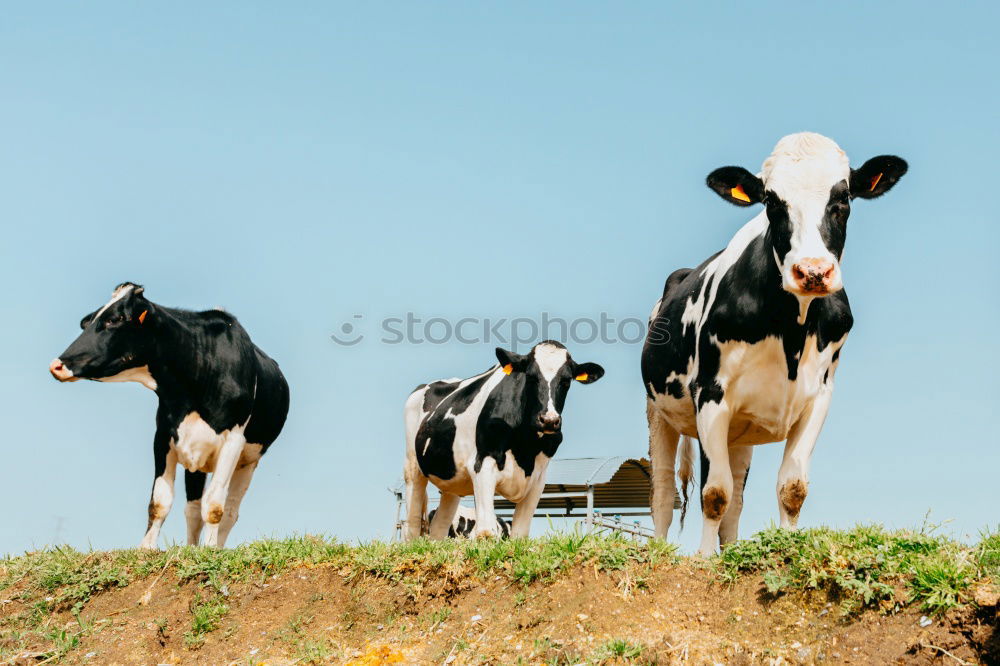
[(738, 193), (875, 182), (507, 369), (582, 377), (142, 317)]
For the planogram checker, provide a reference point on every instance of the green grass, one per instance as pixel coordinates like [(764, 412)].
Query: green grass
[(206, 615), (617, 648), (864, 567)]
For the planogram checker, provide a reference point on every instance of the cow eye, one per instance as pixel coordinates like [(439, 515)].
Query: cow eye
[(116, 320)]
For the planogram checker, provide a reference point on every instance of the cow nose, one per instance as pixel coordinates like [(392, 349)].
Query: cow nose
[(60, 371), (814, 276), (549, 422)]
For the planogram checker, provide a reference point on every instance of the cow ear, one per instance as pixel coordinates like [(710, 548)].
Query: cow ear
[(877, 176), (736, 185), (85, 322), (587, 373), (510, 361)]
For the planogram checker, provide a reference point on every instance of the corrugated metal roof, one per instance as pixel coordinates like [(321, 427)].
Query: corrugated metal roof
[(582, 471)]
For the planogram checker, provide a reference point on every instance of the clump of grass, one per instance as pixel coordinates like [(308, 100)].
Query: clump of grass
[(617, 648), (864, 566), (206, 615), (987, 555)]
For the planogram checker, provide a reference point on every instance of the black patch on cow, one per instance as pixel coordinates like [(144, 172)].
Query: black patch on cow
[(833, 226), (779, 225), (194, 485), (437, 457), (668, 344), (675, 389), (436, 392)]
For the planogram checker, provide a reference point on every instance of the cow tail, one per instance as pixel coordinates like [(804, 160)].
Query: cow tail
[(685, 472)]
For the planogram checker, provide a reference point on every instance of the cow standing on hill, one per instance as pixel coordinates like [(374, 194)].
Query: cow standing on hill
[(492, 433), (743, 349), (223, 401)]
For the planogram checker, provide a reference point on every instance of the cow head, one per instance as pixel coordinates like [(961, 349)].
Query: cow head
[(807, 187), (545, 374), (114, 343)]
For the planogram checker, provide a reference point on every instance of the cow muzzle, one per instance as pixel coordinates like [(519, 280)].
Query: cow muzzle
[(61, 372), (816, 277), (549, 424)]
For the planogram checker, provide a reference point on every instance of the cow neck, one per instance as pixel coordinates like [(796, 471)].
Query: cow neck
[(174, 361)]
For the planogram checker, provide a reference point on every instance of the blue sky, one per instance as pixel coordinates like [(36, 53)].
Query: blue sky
[(300, 165)]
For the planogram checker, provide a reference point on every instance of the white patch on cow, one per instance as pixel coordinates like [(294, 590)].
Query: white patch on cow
[(120, 293), (655, 311), (140, 375), (160, 501), (764, 403), (197, 445), (550, 360), (801, 170)]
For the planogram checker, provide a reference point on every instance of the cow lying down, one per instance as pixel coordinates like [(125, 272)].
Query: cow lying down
[(464, 523), (488, 434), (222, 401)]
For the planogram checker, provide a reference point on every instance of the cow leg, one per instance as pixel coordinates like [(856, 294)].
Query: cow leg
[(739, 460), (662, 456), (524, 510), (484, 485), (194, 487), (162, 496), (793, 475), (416, 504), (237, 490), (444, 515), (713, 431), (213, 504)]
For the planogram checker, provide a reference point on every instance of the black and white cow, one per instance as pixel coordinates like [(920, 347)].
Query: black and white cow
[(222, 400), (492, 433), (743, 349), (464, 523)]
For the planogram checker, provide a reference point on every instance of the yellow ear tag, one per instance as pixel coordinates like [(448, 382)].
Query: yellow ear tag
[(142, 317), (875, 182), (582, 377), (507, 369), (738, 193)]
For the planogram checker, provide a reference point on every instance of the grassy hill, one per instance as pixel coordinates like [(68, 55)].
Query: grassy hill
[(814, 596)]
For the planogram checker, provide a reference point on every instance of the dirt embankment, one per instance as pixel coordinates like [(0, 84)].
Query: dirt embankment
[(670, 613)]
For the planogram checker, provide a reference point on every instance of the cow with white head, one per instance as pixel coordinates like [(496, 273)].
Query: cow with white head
[(743, 349)]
